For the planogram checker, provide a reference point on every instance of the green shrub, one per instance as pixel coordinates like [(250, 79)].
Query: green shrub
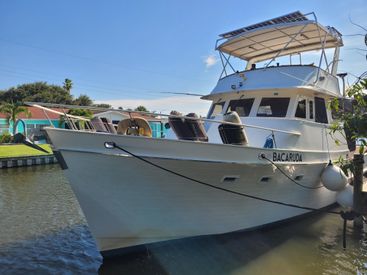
[(5, 138)]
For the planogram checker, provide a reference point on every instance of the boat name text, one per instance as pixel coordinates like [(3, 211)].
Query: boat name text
[(295, 157)]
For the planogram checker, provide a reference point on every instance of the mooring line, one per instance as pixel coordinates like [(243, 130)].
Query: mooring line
[(114, 145), (286, 175)]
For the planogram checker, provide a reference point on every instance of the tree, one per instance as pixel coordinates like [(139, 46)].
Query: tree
[(67, 85), (36, 92), (12, 111), (81, 112), (141, 108), (353, 122), (77, 112), (83, 100), (102, 105)]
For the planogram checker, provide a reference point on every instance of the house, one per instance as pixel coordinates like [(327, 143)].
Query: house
[(39, 119), (33, 123)]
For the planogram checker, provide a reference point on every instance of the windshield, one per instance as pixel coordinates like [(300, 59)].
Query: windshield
[(216, 109), (273, 107)]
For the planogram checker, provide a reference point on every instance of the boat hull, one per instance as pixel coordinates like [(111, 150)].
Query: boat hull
[(129, 202)]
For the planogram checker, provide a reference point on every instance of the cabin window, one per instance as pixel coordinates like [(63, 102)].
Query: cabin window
[(241, 106), (216, 109), (273, 107), (320, 108), (310, 105), (301, 109)]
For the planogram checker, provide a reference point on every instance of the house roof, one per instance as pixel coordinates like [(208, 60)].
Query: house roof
[(37, 113)]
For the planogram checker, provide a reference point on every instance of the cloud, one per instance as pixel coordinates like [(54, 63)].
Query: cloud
[(183, 104), (210, 61)]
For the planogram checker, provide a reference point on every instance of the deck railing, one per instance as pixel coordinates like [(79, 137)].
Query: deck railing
[(72, 118)]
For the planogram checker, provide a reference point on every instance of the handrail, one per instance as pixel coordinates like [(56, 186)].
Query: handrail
[(260, 127), (286, 45), (57, 112), (39, 105), (237, 124)]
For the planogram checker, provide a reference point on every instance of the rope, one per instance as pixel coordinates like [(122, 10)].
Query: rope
[(114, 145), (285, 174)]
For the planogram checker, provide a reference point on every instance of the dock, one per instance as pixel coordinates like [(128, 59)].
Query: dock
[(27, 161)]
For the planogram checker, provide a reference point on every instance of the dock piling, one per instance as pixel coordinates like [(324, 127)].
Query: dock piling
[(359, 196)]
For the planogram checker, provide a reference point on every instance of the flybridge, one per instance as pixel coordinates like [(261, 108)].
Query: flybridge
[(290, 34)]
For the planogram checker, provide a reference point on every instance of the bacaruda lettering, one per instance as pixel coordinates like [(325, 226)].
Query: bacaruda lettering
[(287, 157)]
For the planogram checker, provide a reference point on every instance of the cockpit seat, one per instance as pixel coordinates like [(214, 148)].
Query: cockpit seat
[(102, 124), (108, 124), (232, 134), (186, 128), (98, 124)]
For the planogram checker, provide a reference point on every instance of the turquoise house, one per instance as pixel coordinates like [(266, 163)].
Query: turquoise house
[(32, 125), (37, 120)]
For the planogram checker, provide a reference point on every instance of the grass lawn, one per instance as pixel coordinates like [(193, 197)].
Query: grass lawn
[(20, 150)]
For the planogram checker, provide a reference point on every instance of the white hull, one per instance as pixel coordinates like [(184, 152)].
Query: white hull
[(129, 202)]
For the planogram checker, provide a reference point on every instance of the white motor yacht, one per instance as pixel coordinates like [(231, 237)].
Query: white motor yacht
[(255, 160)]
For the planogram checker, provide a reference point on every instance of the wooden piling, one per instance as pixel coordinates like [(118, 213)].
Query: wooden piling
[(359, 197)]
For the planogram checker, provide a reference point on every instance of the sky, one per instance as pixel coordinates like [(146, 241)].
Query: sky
[(130, 53)]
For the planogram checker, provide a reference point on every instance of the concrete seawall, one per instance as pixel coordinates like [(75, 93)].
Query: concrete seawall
[(26, 161)]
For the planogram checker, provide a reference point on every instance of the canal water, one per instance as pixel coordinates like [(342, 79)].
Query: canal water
[(43, 230)]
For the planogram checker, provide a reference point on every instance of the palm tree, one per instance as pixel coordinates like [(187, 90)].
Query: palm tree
[(12, 111), (68, 84)]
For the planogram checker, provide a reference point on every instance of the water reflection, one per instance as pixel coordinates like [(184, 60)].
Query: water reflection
[(43, 230), (70, 250), (309, 246), (42, 227)]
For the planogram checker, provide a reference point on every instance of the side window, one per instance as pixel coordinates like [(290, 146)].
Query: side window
[(215, 109), (241, 106), (310, 105), (320, 110), (301, 109), (273, 107)]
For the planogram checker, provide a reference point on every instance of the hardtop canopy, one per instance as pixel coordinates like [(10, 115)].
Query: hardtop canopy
[(285, 35)]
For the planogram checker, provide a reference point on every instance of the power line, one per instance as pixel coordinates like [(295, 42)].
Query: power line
[(87, 87), (89, 59)]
